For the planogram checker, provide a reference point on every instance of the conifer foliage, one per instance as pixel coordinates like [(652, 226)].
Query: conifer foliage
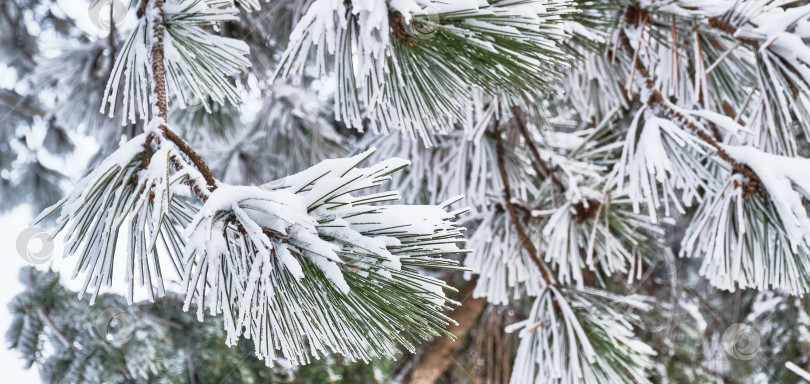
[(320, 177), (286, 261)]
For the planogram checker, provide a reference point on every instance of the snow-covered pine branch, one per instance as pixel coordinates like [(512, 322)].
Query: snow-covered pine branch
[(314, 252), (593, 231), (580, 336), (756, 239), (197, 62), (573, 133), (662, 153), (783, 64), (413, 65), (134, 192), (505, 272), (266, 251)]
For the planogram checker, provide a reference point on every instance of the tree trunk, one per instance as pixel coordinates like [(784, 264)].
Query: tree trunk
[(437, 358)]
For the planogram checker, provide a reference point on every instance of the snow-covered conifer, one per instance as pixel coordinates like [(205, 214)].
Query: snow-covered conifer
[(341, 182)]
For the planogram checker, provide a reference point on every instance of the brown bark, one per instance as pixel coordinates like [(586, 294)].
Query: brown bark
[(525, 241), (656, 97), (438, 356), (158, 69), (160, 102), (540, 166)]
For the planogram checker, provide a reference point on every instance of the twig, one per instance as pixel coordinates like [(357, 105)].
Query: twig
[(525, 241), (160, 103), (192, 155), (142, 8), (717, 22), (158, 69), (161, 320), (658, 98), (544, 169), (47, 320)]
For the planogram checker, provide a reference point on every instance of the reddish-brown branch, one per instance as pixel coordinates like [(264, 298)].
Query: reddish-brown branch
[(717, 22), (158, 69), (540, 166), (438, 356), (525, 241), (160, 103), (656, 97), (192, 155)]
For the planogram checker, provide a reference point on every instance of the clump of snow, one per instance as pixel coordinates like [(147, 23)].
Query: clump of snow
[(312, 225)]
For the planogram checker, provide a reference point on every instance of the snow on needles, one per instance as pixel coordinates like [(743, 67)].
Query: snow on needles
[(122, 195), (557, 340), (282, 260), (662, 153), (405, 64), (787, 182), (315, 205), (198, 63), (756, 241), (291, 236)]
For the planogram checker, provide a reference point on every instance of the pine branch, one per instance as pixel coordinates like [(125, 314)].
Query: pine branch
[(176, 44), (545, 170), (580, 336), (655, 97), (390, 76), (47, 320), (159, 98), (525, 241)]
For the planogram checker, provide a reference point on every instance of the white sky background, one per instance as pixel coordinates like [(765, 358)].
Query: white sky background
[(11, 224)]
